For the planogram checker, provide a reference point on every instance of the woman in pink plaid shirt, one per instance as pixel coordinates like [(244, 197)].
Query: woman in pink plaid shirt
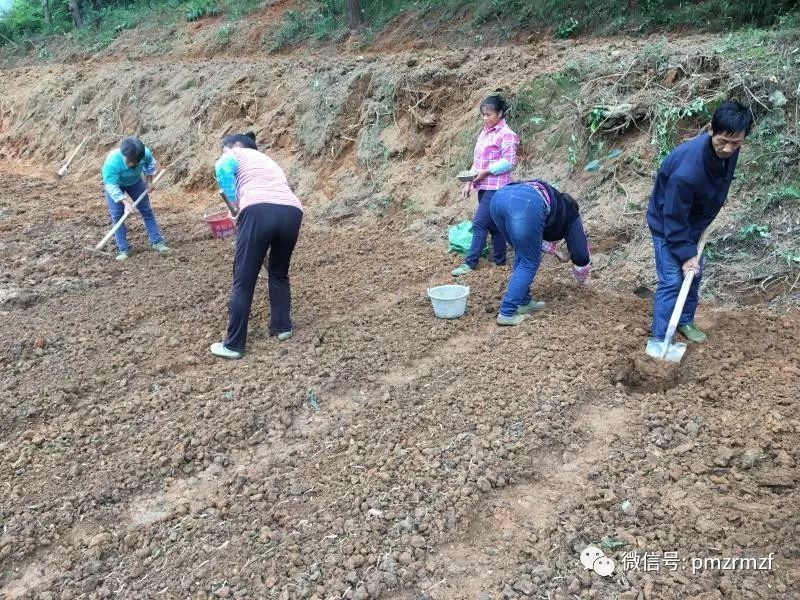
[(494, 158)]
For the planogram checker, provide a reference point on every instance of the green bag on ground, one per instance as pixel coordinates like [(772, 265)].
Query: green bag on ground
[(460, 238)]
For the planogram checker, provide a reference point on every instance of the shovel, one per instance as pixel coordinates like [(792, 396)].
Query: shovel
[(63, 170), (119, 223), (665, 349)]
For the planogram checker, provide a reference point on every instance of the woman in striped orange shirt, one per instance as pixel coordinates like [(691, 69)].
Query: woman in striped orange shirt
[(269, 218)]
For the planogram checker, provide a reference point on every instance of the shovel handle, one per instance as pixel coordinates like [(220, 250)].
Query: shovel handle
[(687, 283), (63, 170), (119, 223), (702, 243), (75, 152)]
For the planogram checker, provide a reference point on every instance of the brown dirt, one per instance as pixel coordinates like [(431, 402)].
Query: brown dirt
[(448, 459)]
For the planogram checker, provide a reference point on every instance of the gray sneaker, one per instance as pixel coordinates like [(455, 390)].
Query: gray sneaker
[(160, 247), (462, 270), (530, 307), (123, 256), (510, 321), (284, 335)]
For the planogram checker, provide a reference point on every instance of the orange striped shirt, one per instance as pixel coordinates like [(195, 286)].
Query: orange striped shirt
[(259, 179)]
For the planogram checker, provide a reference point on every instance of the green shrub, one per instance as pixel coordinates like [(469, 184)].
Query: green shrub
[(566, 28), (224, 35), (295, 27), (197, 9)]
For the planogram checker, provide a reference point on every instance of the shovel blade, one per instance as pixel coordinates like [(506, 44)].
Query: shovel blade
[(665, 350)]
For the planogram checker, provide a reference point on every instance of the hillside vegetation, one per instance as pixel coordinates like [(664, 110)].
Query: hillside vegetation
[(97, 22)]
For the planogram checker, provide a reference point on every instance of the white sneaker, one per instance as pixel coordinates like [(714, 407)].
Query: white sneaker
[(219, 349)]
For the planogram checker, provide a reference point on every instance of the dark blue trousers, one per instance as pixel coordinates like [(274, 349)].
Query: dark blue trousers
[(482, 226), (263, 229)]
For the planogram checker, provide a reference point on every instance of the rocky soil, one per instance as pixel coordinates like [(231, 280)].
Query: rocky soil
[(380, 453)]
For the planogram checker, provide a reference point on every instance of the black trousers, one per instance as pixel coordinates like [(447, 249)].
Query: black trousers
[(262, 228)]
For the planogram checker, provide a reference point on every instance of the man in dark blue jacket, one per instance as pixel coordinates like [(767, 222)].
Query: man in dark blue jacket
[(691, 187)]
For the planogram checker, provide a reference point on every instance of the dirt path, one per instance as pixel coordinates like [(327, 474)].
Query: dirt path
[(446, 459)]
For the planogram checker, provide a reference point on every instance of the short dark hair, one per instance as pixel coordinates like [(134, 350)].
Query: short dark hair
[(248, 140), (132, 148), (732, 117), (496, 103)]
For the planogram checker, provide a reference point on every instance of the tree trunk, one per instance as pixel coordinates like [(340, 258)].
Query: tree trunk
[(632, 6), (75, 11), (353, 14), (46, 10)]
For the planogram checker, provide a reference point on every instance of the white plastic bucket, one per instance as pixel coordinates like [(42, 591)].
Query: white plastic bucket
[(449, 301)]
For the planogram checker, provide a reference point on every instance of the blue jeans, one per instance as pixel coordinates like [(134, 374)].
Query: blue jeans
[(520, 212), (482, 225), (117, 209), (670, 279)]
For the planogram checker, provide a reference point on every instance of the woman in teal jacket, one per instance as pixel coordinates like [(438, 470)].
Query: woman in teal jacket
[(122, 174)]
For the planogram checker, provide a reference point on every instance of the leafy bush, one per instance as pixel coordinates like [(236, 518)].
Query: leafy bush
[(667, 120), (566, 28), (754, 232), (197, 9)]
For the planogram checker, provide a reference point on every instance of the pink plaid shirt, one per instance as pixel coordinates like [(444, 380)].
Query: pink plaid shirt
[(494, 144)]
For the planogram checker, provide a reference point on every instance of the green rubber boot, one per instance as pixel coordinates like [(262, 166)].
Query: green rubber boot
[(692, 333)]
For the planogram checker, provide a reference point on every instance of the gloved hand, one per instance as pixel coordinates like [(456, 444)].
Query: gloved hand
[(582, 275)]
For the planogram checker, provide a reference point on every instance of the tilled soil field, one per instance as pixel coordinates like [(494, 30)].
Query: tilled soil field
[(380, 453)]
